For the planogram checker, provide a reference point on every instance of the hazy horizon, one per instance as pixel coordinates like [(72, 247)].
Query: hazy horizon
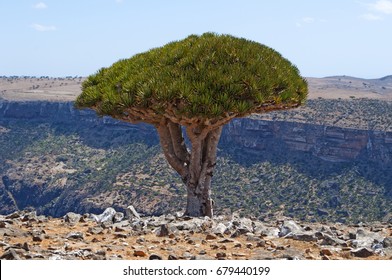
[(77, 76), (76, 38)]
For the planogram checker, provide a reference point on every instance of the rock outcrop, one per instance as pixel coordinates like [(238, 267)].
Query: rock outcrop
[(69, 176), (330, 143), (24, 235)]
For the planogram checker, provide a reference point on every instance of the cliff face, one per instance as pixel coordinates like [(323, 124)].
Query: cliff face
[(57, 159), (329, 143), (63, 113), (48, 111)]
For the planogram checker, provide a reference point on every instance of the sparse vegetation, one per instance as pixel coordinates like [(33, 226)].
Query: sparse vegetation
[(85, 168), (361, 113)]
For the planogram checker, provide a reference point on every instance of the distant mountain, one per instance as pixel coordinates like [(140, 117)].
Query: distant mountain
[(334, 87), (386, 78)]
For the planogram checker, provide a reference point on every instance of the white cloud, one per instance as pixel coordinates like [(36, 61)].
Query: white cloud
[(40, 6), (43, 28), (377, 10), (371, 17), (305, 20), (382, 6)]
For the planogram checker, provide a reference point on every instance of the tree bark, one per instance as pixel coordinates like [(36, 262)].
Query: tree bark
[(169, 147), (195, 167), (202, 163)]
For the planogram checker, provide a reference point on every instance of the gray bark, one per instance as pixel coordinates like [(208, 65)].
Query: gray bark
[(167, 144), (195, 168)]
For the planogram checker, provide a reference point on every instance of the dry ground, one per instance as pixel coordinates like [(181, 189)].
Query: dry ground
[(32, 89), (67, 89), (123, 243)]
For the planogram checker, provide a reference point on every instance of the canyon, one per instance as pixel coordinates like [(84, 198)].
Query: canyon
[(54, 182), (253, 135), (330, 160)]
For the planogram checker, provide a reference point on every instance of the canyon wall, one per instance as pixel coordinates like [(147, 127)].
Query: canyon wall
[(55, 159), (253, 136), (329, 143)]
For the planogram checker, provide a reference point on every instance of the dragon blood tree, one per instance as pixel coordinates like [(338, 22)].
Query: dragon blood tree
[(199, 83)]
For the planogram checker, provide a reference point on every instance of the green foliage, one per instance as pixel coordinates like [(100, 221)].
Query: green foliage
[(131, 168), (203, 76), (259, 189)]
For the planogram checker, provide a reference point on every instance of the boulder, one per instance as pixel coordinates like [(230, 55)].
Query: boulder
[(367, 239), (289, 228), (221, 255), (139, 225), (38, 238), (166, 230), (13, 232), (325, 252), (107, 215), (15, 215), (163, 231), (131, 213), (10, 254), (75, 236), (362, 253), (122, 224), (244, 225), (219, 229), (118, 217), (226, 240), (326, 239), (30, 216), (387, 242), (155, 257), (170, 218), (307, 237), (38, 235), (262, 230), (156, 221), (120, 235), (194, 224), (172, 257), (72, 218), (211, 237), (363, 242), (352, 235)]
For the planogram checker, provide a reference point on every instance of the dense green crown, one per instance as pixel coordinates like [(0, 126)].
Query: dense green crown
[(205, 76)]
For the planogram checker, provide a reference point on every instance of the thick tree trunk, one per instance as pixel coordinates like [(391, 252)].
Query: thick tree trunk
[(199, 202), (203, 161), (195, 167)]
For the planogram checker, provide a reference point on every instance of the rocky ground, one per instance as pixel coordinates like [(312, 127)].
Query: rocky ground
[(24, 235)]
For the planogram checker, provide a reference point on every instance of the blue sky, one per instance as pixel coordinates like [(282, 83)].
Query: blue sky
[(77, 37)]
